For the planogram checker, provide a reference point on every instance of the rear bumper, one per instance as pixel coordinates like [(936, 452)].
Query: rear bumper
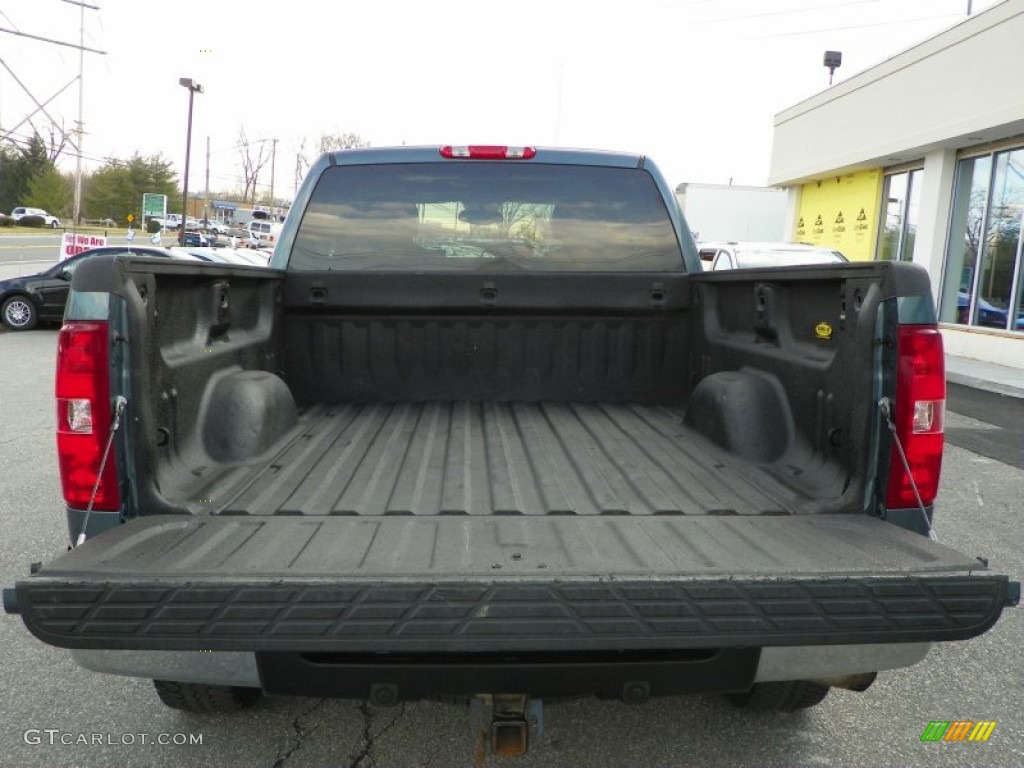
[(240, 669), (306, 615)]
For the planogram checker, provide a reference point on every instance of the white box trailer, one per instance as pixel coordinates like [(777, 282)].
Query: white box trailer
[(723, 212)]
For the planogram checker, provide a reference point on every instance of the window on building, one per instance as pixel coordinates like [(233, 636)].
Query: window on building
[(982, 282), (901, 196)]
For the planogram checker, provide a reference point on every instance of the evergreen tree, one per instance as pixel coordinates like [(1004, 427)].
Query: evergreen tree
[(18, 166), (49, 190), (116, 189)]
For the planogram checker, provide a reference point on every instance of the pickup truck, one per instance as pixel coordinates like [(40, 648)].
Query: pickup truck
[(484, 431), (170, 221)]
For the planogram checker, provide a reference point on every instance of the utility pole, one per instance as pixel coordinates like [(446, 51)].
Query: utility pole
[(41, 107), (81, 101), (273, 158), (558, 105), (81, 125), (206, 194)]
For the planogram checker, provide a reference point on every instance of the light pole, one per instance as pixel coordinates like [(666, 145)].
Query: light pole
[(193, 89)]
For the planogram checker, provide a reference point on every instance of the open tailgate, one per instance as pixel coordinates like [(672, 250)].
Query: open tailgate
[(459, 583)]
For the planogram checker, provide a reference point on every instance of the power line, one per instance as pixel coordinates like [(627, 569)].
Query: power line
[(39, 107), (24, 140), (856, 26), (240, 145), (804, 9)]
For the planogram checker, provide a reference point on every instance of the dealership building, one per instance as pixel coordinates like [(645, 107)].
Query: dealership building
[(921, 159)]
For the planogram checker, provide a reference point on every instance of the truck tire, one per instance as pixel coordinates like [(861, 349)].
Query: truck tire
[(205, 699), (784, 696)]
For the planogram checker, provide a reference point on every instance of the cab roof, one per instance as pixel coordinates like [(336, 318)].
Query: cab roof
[(432, 154)]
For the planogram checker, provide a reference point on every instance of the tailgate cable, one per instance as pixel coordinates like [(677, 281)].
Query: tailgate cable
[(119, 405), (886, 407)]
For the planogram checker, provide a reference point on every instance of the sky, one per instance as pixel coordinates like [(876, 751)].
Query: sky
[(694, 84)]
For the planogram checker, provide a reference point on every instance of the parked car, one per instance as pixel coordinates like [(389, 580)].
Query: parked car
[(263, 234), (30, 299), (48, 220), (989, 315), (212, 225), (245, 257), (173, 221), (719, 256), (196, 239), (170, 221)]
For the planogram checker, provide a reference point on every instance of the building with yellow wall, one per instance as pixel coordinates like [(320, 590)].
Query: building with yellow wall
[(841, 212), (921, 158)]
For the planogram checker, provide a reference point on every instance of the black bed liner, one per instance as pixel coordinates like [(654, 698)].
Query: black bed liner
[(487, 458), (472, 583)]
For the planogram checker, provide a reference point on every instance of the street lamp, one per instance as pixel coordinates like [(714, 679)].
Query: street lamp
[(193, 89), (833, 60)]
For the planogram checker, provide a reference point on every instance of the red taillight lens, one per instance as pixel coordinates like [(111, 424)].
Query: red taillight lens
[(487, 152), (919, 417), (83, 416)]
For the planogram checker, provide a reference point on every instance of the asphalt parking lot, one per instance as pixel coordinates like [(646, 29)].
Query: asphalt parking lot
[(52, 713)]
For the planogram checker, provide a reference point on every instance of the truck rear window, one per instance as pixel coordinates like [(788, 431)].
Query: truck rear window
[(485, 216)]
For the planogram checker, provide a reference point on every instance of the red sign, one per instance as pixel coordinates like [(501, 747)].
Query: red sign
[(75, 244)]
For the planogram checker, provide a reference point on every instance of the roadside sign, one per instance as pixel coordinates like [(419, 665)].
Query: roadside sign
[(154, 204), (75, 244), (131, 218)]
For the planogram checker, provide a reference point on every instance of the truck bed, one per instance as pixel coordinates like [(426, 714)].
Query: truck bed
[(463, 464), (489, 458)]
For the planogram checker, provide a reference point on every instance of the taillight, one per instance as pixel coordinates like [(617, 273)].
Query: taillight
[(920, 409), (487, 152), (84, 416)]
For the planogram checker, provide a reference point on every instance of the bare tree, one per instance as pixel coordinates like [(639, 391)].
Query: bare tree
[(330, 142), (58, 140), (301, 163), (254, 156)]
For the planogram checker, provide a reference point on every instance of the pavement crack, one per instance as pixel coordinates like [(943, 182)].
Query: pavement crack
[(17, 438), (301, 731), (369, 738)]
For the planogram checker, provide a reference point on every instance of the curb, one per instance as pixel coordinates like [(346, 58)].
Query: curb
[(999, 388)]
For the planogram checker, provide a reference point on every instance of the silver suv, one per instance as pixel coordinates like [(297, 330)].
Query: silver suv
[(50, 221)]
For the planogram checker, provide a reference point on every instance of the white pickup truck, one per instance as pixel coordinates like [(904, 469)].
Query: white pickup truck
[(170, 221)]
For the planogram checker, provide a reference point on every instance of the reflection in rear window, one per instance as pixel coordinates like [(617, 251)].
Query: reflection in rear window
[(485, 216)]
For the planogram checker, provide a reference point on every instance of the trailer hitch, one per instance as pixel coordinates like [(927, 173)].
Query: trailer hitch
[(508, 722)]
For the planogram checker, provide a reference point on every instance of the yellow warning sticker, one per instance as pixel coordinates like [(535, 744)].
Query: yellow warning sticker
[(823, 330)]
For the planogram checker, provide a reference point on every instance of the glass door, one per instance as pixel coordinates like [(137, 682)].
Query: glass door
[(901, 212), (982, 280)]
